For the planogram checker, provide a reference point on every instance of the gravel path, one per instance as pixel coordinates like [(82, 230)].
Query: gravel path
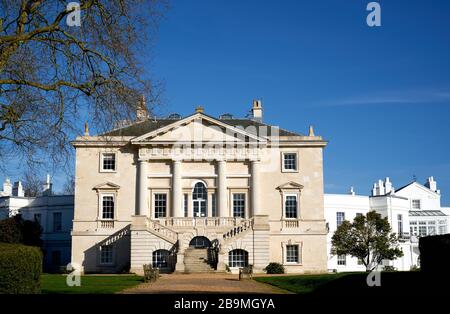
[(203, 283)]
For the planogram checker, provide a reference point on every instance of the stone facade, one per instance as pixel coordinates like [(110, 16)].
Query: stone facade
[(248, 192)]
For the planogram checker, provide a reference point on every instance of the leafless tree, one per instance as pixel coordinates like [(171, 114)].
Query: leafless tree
[(53, 75), (32, 185), (69, 186)]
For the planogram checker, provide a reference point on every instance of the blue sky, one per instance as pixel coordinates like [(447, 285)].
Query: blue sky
[(381, 96)]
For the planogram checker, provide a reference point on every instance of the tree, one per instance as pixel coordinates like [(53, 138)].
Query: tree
[(53, 74), (32, 186), (368, 238), (69, 185), (18, 230)]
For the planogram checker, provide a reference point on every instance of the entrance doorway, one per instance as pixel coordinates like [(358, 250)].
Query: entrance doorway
[(200, 243)]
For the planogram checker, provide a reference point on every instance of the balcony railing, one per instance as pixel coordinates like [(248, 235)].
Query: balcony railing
[(200, 222), (107, 224), (291, 224)]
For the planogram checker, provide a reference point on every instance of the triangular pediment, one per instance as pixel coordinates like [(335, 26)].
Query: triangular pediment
[(291, 185), (107, 186), (198, 128)]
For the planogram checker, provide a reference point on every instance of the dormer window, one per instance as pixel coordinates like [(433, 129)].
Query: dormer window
[(289, 162), (108, 162)]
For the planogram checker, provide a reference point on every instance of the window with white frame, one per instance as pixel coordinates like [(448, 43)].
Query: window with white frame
[(442, 226), (185, 204), (400, 225), (340, 217), (106, 254), (160, 258), (342, 260), (290, 206), (213, 205), (108, 207), (238, 258), (57, 221), (292, 253), (289, 161), (108, 162), (239, 205), (160, 205), (416, 204), (422, 228)]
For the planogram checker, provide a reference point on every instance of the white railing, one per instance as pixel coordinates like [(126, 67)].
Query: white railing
[(107, 224), (244, 225), (291, 223), (200, 222), (168, 233)]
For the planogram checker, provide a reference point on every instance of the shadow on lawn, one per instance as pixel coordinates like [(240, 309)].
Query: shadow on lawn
[(355, 284), (392, 283)]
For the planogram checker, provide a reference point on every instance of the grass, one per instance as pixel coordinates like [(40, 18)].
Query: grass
[(56, 284), (392, 283)]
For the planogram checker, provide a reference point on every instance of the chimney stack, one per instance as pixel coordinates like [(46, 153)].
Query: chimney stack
[(388, 185), (352, 191), (17, 189), (257, 111), (7, 188), (431, 184), (141, 110), (47, 188)]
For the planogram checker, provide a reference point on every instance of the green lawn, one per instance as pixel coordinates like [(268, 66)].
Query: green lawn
[(55, 283), (392, 283)]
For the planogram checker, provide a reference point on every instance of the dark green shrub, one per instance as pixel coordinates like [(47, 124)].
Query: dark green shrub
[(435, 253), (18, 230), (274, 268), (20, 268)]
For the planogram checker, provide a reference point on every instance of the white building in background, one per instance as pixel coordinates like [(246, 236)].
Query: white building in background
[(413, 211), (54, 213)]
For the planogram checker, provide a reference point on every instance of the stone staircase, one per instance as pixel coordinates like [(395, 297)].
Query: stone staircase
[(196, 261)]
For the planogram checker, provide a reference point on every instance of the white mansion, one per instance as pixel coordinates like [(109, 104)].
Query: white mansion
[(413, 211), (206, 194), (53, 212)]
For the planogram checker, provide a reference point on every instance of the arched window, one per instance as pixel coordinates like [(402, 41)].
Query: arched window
[(161, 258), (238, 258), (200, 200), (199, 191)]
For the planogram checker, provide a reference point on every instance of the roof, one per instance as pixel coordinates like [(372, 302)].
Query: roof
[(405, 186), (426, 213), (149, 125)]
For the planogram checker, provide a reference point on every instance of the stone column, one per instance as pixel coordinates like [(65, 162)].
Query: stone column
[(177, 193), (255, 189), (142, 188), (222, 190)]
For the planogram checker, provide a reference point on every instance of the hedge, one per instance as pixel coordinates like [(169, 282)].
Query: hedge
[(435, 253), (20, 268)]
